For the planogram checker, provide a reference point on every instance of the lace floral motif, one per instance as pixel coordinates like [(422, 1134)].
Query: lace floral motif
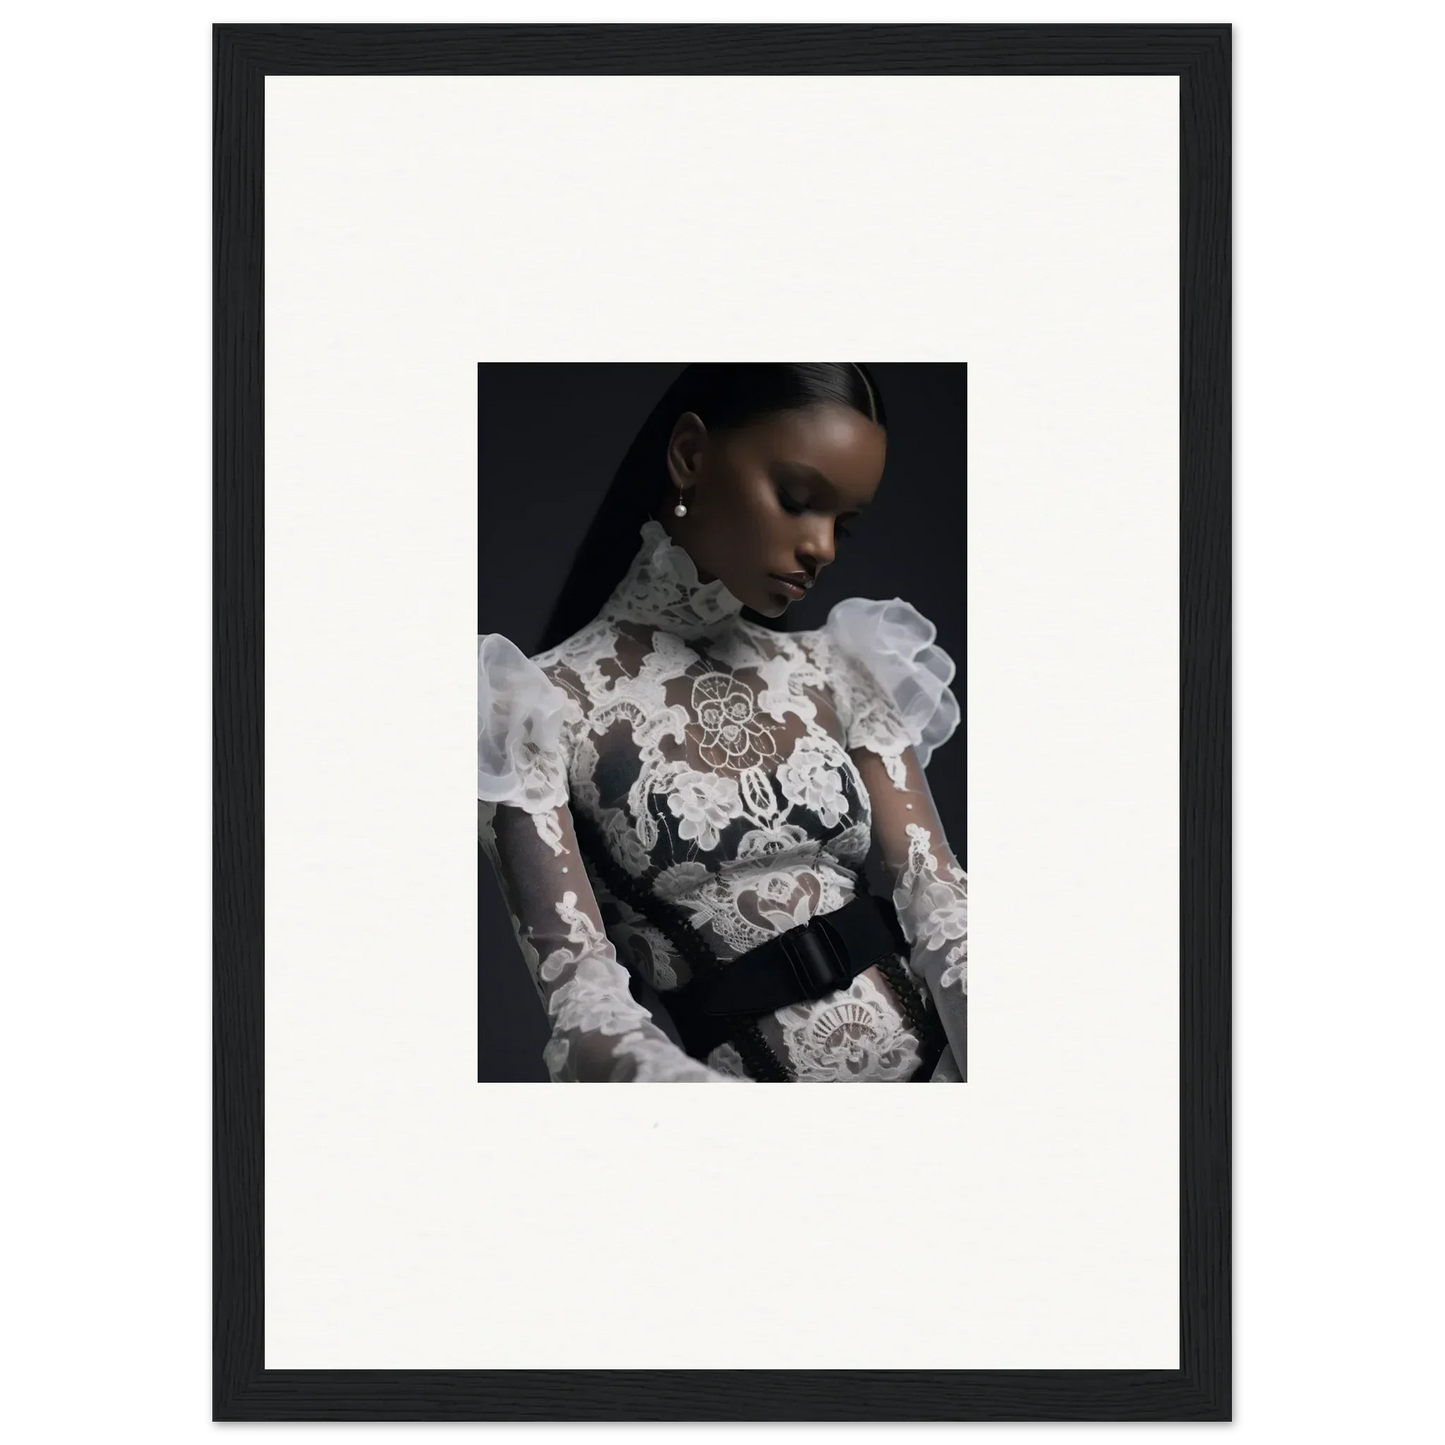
[(932, 902), (706, 803), (854, 1036), (730, 733), (720, 762), (812, 778)]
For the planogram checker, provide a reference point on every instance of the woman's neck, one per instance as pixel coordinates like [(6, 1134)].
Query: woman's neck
[(664, 588)]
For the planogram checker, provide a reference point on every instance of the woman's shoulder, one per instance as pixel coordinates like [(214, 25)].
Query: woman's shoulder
[(526, 718), (575, 653), (560, 663), (501, 663), (892, 676), (886, 631)]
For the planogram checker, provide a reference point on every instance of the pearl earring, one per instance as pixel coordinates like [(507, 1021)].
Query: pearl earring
[(681, 509)]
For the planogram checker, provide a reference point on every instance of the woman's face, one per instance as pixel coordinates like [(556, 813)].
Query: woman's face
[(771, 498)]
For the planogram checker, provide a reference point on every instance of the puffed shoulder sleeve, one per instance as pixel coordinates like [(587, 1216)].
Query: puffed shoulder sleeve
[(890, 678), (525, 725)]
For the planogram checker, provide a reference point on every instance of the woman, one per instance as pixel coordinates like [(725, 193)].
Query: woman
[(679, 800)]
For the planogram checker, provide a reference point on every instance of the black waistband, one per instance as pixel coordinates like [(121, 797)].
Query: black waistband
[(807, 962)]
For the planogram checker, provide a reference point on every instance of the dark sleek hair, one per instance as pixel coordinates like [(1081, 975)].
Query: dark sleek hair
[(725, 395)]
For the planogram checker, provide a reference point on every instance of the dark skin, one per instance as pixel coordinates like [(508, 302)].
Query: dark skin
[(771, 497)]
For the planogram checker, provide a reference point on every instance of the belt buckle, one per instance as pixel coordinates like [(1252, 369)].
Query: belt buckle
[(814, 957)]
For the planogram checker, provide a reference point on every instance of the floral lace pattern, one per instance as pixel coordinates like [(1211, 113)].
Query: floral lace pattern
[(855, 1035), (742, 774)]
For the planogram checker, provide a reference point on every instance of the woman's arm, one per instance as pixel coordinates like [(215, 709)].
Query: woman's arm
[(890, 686), (526, 724), (929, 888), (600, 1033)]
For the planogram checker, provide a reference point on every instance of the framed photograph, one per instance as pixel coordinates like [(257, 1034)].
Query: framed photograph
[(737, 771), (815, 698)]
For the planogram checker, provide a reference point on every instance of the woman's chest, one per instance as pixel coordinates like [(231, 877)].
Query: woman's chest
[(719, 759)]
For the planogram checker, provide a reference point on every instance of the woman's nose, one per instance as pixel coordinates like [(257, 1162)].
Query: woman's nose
[(818, 547)]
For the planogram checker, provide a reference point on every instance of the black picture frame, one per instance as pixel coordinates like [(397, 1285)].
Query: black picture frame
[(243, 1389)]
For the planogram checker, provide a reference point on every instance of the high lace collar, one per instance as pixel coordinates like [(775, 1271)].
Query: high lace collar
[(662, 588)]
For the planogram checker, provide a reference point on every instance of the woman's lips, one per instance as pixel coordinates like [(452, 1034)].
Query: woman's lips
[(793, 589)]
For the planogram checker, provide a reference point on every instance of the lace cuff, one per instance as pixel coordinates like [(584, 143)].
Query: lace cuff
[(524, 723), (893, 678)]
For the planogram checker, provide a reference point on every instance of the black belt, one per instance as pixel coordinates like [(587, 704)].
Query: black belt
[(818, 957)]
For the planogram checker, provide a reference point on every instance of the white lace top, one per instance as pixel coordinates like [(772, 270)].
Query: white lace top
[(742, 774)]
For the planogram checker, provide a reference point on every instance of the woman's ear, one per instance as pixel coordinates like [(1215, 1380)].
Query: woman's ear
[(685, 450)]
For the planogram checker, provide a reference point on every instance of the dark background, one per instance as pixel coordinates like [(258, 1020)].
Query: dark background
[(550, 436)]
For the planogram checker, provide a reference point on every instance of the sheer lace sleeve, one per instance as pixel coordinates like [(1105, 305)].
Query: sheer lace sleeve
[(891, 686), (600, 1033)]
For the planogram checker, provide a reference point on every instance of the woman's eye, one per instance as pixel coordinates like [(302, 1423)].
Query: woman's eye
[(791, 504)]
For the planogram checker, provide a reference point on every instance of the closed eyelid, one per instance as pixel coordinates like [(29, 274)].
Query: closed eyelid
[(792, 503), (787, 496)]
